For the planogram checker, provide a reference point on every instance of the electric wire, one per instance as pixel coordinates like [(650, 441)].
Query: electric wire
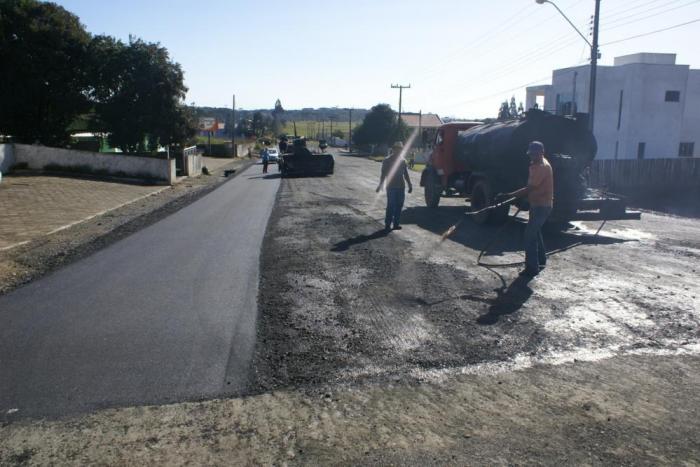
[(651, 32), (619, 25)]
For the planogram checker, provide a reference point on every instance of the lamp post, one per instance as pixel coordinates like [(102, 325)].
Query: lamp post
[(594, 54)]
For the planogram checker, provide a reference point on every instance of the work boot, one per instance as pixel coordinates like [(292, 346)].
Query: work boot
[(528, 273), (397, 227)]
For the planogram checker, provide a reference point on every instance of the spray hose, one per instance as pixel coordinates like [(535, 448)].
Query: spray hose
[(497, 235)]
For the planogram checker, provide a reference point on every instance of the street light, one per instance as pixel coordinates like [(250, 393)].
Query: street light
[(594, 54)]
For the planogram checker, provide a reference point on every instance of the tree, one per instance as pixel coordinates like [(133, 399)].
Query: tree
[(43, 49), (504, 111), (139, 95), (277, 117), (339, 134), (513, 108), (380, 126)]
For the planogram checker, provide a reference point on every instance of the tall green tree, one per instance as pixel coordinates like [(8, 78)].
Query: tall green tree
[(513, 108), (139, 94), (380, 126), (504, 111), (44, 83)]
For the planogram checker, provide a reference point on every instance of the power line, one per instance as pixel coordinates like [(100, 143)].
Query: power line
[(480, 51), (651, 32), (648, 16), (532, 57), (505, 91), (624, 11)]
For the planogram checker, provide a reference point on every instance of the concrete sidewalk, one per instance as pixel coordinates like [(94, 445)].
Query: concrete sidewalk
[(32, 205)]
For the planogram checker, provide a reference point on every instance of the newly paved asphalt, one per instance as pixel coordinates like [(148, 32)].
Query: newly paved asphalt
[(166, 314)]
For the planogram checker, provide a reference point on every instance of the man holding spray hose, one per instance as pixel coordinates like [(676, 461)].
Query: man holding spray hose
[(540, 196)]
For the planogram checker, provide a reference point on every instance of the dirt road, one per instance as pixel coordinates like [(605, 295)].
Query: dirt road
[(342, 302)]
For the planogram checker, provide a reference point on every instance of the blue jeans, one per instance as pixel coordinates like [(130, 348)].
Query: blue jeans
[(535, 254), (394, 204)]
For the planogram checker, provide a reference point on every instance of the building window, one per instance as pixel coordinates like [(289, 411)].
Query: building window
[(640, 150), (686, 149), (673, 96)]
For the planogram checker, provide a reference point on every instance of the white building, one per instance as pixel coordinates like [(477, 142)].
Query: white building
[(646, 106)]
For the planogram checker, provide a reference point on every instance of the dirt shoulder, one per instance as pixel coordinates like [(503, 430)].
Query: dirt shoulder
[(631, 410), (42, 255)]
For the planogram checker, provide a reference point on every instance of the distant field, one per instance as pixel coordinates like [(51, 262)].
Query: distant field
[(204, 140), (311, 128)]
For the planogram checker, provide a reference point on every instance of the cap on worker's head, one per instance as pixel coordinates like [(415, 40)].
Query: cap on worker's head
[(397, 146), (535, 147)]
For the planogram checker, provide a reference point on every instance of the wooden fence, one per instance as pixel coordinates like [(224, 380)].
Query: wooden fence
[(632, 176)]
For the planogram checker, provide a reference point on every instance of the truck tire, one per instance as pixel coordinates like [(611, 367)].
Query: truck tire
[(432, 190), (482, 196)]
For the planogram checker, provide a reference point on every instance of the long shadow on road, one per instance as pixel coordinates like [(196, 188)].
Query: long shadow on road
[(345, 244)]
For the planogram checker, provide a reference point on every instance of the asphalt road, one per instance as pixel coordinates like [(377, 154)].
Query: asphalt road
[(166, 314)]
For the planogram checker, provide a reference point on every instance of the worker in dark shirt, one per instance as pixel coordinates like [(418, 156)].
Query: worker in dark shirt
[(283, 145), (394, 172)]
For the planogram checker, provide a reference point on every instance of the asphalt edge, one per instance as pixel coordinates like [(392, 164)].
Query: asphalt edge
[(83, 250)]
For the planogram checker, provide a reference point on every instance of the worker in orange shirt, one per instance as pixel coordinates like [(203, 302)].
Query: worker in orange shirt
[(540, 195)]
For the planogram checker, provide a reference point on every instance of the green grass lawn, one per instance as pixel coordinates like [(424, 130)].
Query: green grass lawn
[(205, 140), (310, 128)]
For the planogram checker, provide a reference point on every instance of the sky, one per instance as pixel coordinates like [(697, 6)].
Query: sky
[(462, 58)]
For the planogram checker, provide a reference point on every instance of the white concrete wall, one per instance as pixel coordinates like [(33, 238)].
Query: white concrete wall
[(38, 157), (7, 157), (690, 131), (646, 116), (193, 165)]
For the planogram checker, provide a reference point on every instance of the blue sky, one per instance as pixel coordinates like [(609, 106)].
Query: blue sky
[(461, 57)]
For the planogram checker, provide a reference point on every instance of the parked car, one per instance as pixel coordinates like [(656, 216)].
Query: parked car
[(272, 155)]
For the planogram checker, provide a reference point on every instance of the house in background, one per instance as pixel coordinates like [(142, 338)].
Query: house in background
[(647, 106), (211, 127), (426, 124)]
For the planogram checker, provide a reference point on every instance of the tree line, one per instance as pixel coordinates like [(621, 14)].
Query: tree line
[(57, 77)]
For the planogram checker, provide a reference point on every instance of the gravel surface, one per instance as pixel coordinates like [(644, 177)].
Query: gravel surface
[(342, 302), (631, 410), (23, 264)]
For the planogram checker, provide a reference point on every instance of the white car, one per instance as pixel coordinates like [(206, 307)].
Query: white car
[(272, 155)]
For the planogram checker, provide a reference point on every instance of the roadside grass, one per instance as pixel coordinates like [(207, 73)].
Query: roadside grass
[(214, 140), (311, 128), (417, 167)]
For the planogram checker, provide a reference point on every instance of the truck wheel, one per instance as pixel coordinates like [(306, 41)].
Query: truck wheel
[(482, 197), (433, 190)]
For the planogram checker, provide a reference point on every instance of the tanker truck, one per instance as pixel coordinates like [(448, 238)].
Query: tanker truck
[(477, 161)]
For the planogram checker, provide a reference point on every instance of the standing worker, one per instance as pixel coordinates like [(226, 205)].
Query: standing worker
[(394, 172), (540, 195), (265, 159)]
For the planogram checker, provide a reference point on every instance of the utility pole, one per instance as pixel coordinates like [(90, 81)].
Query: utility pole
[(573, 95), (594, 66), (233, 127), (594, 54), (420, 125), (350, 130), (400, 87)]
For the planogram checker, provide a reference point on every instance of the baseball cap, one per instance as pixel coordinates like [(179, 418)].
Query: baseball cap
[(535, 147)]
